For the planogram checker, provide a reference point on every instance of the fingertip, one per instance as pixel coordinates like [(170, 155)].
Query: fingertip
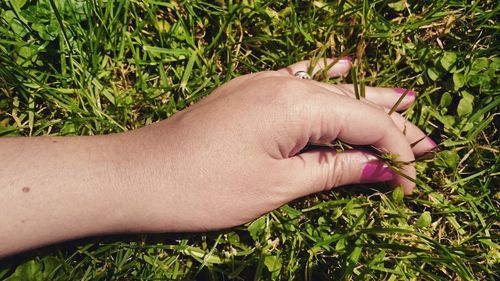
[(408, 190), (403, 91), (341, 68), (406, 179), (408, 99), (424, 145), (433, 145), (376, 171)]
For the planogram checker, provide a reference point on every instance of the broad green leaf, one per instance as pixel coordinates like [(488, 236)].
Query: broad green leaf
[(448, 60), (355, 254), (398, 194), (495, 64), (68, 128), (433, 73), (273, 264), (424, 220), (479, 64), (447, 159), (50, 266), (458, 80), (479, 80), (465, 104), (398, 6), (15, 23), (446, 100), (46, 32), (271, 13), (356, 211), (19, 3), (31, 270), (257, 227), (448, 121), (341, 244), (25, 55), (233, 237)]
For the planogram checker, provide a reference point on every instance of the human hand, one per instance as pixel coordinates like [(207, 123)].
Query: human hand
[(237, 154)]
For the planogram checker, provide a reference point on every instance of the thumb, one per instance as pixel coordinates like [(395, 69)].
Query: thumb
[(324, 168)]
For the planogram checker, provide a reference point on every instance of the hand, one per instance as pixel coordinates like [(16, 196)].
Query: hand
[(222, 162), (236, 154)]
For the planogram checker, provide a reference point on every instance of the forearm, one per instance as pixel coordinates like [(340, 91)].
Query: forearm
[(57, 188)]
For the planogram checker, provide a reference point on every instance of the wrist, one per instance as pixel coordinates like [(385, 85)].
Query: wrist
[(142, 182)]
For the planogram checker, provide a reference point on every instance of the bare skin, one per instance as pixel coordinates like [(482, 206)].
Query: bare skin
[(222, 162)]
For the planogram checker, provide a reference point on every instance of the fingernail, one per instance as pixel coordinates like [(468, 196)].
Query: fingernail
[(345, 59), (433, 143), (403, 90), (376, 171)]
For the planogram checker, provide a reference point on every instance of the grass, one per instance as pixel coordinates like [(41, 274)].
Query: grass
[(73, 67)]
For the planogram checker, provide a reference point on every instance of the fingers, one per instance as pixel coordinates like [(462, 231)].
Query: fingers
[(377, 129), (385, 97), (333, 67), (328, 117), (324, 168)]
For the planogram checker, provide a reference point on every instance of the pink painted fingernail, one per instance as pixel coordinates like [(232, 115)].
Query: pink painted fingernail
[(433, 143), (376, 171), (403, 90), (345, 59)]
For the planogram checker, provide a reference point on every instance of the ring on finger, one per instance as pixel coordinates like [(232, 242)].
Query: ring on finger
[(302, 75)]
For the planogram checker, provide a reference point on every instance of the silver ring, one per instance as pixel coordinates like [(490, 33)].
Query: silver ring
[(302, 75)]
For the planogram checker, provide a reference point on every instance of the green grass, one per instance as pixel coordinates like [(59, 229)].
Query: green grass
[(70, 67)]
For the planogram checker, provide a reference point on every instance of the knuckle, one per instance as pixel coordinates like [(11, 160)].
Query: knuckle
[(290, 94), (292, 102), (332, 170), (339, 171), (386, 119)]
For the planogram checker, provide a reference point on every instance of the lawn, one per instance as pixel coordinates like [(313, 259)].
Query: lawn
[(78, 67)]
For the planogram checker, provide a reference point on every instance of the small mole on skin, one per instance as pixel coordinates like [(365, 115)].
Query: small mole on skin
[(26, 189), (54, 141)]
